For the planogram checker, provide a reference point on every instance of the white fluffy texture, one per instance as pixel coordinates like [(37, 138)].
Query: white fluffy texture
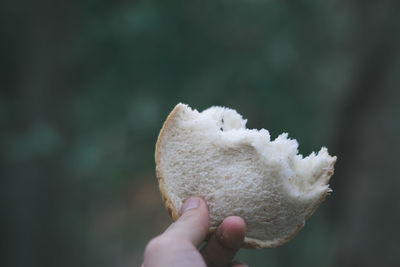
[(241, 172)]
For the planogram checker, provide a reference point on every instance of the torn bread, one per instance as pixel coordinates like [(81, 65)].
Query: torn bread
[(239, 172)]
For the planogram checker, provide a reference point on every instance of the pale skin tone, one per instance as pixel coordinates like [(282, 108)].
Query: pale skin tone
[(178, 245)]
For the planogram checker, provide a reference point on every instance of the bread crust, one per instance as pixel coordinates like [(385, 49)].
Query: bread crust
[(161, 183), (250, 243)]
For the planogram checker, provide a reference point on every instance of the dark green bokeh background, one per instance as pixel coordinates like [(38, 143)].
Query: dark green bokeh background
[(86, 86)]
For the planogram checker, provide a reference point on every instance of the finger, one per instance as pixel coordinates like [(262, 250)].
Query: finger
[(223, 245), (193, 223)]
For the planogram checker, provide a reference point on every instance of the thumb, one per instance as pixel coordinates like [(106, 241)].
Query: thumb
[(193, 223)]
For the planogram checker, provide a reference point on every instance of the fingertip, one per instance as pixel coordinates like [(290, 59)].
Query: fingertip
[(231, 232), (193, 203), (236, 223), (193, 224)]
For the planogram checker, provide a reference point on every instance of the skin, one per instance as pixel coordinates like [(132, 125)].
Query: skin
[(178, 245)]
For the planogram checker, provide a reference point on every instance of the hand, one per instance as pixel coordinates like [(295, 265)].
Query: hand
[(178, 245)]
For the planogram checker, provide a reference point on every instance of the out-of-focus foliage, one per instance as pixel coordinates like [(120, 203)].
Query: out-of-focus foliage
[(86, 86)]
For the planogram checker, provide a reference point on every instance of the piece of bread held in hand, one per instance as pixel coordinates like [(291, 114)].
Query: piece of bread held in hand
[(239, 172)]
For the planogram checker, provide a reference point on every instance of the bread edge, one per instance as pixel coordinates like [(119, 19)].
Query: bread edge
[(250, 243), (161, 183)]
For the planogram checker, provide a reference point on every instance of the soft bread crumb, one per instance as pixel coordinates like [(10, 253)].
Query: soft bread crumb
[(240, 172)]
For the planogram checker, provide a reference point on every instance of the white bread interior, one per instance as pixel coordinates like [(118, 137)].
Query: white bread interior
[(240, 172)]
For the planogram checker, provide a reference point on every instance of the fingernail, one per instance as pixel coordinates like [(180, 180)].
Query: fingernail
[(191, 203)]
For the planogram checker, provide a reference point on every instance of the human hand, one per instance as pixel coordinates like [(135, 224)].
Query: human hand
[(178, 245)]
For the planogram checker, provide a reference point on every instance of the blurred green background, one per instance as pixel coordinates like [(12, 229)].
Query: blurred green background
[(86, 86)]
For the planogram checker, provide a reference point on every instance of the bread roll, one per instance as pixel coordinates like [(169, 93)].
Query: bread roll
[(239, 172)]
